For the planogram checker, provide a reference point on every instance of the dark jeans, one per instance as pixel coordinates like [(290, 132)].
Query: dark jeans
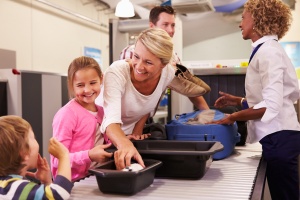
[(281, 150)]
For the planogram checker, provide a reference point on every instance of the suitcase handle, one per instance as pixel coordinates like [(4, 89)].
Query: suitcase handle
[(177, 116)]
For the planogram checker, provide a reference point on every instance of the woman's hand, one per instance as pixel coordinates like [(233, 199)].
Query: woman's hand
[(138, 136), (124, 155), (227, 100), (226, 120), (126, 150)]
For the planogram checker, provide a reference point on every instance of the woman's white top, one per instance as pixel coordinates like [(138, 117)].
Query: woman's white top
[(271, 82), (122, 103)]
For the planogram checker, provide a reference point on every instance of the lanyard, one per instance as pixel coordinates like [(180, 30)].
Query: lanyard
[(254, 51), (244, 103)]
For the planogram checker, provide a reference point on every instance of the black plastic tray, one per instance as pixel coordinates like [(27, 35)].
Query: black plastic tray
[(181, 159), (111, 180)]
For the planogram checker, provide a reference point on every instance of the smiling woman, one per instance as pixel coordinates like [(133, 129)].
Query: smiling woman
[(138, 85), (150, 56), (132, 90)]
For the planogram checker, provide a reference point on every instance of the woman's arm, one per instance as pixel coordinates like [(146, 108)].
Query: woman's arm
[(126, 150), (139, 126), (199, 102), (228, 100), (243, 115)]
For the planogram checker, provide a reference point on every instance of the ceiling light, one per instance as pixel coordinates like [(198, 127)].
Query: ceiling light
[(124, 9)]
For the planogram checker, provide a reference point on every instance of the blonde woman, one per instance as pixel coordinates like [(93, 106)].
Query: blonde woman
[(132, 91)]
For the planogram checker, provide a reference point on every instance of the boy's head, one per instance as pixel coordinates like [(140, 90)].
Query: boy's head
[(18, 147)]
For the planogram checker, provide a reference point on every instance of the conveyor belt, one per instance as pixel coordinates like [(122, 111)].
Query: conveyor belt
[(231, 178)]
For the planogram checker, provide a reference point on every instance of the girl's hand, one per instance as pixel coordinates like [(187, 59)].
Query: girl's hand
[(98, 154)]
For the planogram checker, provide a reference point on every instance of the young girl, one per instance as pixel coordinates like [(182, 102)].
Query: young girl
[(76, 124), (19, 152)]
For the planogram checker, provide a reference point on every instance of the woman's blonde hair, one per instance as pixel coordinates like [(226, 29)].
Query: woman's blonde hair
[(271, 17), (13, 144), (158, 42), (79, 63)]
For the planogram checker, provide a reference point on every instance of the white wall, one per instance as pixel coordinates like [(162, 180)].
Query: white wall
[(293, 34), (177, 38), (47, 38), (232, 46)]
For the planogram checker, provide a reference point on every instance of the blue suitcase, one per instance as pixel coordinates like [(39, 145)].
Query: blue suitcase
[(177, 129)]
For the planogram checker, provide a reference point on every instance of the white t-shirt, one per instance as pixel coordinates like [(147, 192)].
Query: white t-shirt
[(122, 103), (99, 139)]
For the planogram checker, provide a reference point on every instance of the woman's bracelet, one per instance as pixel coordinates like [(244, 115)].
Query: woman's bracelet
[(242, 101)]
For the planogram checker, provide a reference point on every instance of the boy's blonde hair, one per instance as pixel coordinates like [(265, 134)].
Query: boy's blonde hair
[(158, 42), (13, 144), (79, 63)]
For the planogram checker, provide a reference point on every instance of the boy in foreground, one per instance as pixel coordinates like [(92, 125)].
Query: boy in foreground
[(19, 153)]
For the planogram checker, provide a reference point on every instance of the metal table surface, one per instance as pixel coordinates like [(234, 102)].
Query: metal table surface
[(231, 178)]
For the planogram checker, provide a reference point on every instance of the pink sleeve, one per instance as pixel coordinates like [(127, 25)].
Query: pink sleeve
[(63, 125)]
